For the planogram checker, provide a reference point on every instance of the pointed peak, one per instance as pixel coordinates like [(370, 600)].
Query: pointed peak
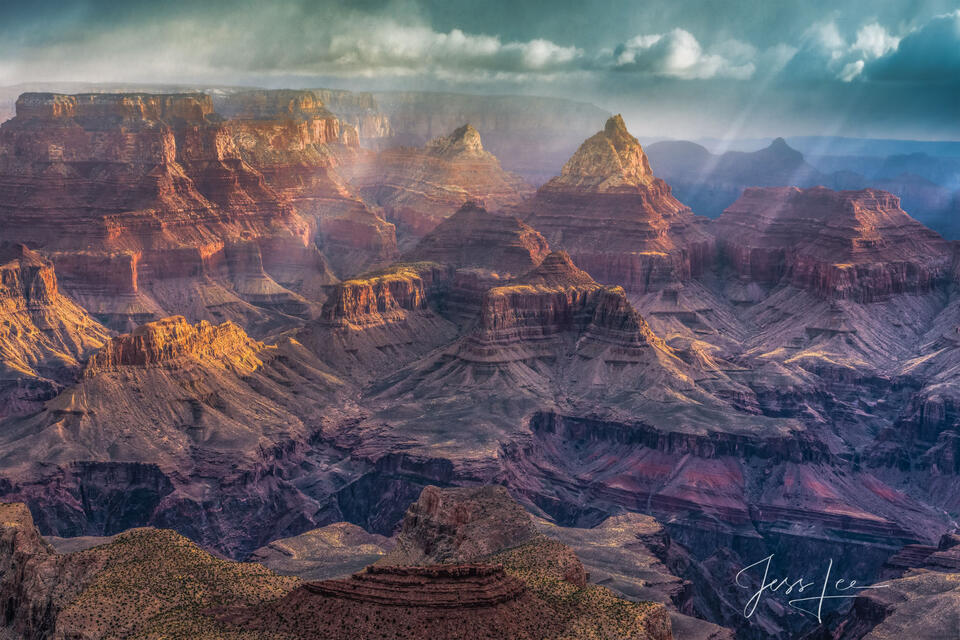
[(615, 125), (464, 140), (610, 159), (557, 269), (779, 143)]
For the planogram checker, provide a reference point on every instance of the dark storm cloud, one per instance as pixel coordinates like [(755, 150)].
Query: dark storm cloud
[(695, 66)]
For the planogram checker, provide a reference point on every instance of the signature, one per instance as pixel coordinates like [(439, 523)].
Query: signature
[(813, 604)]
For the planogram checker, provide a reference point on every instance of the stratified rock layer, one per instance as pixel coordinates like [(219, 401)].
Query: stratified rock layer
[(140, 199), (616, 220), (473, 237), (44, 336), (838, 244)]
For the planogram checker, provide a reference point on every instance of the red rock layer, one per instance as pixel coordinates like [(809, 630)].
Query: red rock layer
[(453, 601), (472, 237), (617, 220), (553, 299), (381, 321), (299, 145), (418, 188), (149, 188), (840, 244)]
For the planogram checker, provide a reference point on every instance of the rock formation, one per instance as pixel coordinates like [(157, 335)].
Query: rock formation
[(847, 244), (616, 220), (474, 238), (418, 188), (481, 570), (924, 601), (149, 193), (299, 146), (633, 555), (456, 526), (380, 320), (44, 336)]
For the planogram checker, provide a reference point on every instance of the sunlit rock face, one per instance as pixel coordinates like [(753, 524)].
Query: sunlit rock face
[(150, 195), (856, 245), (44, 335), (301, 148), (616, 219), (420, 187)]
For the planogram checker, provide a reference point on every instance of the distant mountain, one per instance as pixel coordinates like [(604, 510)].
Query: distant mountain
[(708, 183)]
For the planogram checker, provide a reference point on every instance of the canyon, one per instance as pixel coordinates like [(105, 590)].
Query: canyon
[(244, 325)]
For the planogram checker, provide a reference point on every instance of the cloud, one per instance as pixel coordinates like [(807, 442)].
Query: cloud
[(678, 54), (874, 41), (930, 54), (826, 54)]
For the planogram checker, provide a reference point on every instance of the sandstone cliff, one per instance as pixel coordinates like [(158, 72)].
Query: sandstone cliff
[(360, 110), (44, 336)]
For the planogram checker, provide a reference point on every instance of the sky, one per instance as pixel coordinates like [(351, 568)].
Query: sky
[(679, 68)]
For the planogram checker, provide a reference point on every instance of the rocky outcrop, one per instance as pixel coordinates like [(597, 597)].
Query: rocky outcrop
[(147, 190), (924, 601), (474, 238), (855, 245), (554, 299), (457, 601), (633, 555), (481, 570), (616, 219), (300, 146), (168, 341), (418, 188), (44, 336), (453, 526), (375, 322)]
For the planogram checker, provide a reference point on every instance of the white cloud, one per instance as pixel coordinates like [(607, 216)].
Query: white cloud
[(678, 54), (851, 70), (874, 41)]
